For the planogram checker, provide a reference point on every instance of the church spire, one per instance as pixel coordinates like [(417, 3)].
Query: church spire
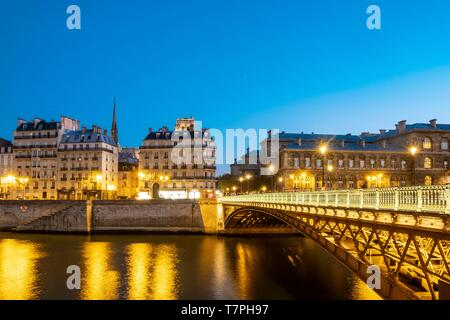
[(114, 130)]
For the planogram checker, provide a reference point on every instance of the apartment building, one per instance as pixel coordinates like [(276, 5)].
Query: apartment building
[(177, 164), (87, 165)]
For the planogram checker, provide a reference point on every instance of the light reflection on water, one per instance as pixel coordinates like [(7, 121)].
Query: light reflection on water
[(158, 267), (101, 282), (18, 269)]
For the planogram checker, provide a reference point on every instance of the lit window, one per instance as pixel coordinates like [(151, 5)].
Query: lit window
[(428, 181), (427, 163), (427, 143)]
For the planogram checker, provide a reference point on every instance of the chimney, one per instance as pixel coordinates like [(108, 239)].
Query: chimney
[(20, 121), (150, 130), (401, 126), (433, 123), (83, 130), (382, 131), (105, 132)]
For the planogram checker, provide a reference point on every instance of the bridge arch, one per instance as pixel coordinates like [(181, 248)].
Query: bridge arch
[(257, 218)]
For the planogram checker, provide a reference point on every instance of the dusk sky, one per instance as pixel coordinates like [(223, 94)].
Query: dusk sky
[(293, 65)]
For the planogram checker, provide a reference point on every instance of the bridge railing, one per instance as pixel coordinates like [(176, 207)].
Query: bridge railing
[(435, 199)]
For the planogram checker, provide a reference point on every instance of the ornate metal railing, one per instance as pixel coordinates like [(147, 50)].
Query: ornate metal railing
[(434, 199)]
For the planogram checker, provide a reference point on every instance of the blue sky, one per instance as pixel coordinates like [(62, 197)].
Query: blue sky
[(293, 65)]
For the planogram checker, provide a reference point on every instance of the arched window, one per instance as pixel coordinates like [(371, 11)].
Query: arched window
[(427, 145), (444, 144), (428, 181), (427, 163)]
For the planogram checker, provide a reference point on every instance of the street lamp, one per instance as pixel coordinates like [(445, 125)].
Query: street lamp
[(241, 179), (323, 150), (248, 177), (280, 180), (234, 189), (413, 152), (23, 182), (264, 189), (330, 169), (272, 170)]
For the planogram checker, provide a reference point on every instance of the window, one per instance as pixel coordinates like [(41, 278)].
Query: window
[(351, 163), (318, 163), (362, 164), (427, 145), (427, 163), (403, 164), (307, 162), (382, 163), (428, 181), (341, 163), (444, 144)]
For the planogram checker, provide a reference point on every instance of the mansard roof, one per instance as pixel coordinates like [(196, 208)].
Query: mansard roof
[(39, 124), (5, 143), (88, 136)]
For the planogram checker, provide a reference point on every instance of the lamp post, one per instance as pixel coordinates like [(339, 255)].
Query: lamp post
[(323, 150), (248, 177), (280, 180), (413, 152), (272, 169), (330, 169), (241, 179), (23, 182)]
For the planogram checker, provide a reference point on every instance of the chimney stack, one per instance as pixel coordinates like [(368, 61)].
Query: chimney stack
[(382, 131), (150, 130), (83, 130), (401, 126), (105, 132), (433, 123)]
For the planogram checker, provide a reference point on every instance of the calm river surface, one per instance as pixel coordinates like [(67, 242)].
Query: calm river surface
[(34, 266)]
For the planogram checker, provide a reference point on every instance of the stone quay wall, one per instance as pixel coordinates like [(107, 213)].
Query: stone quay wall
[(110, 216)]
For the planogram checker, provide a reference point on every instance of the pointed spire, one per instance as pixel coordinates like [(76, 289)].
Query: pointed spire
[(114, 130)]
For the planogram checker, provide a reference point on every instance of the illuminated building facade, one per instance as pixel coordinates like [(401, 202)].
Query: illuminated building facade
[(128, 186), (415, 154), (6, 168), (87, 165), (177, 164), (35, 149)]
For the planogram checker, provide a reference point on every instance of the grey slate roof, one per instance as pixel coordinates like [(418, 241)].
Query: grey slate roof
[(128, 157), (88, 137), (41, 125), (167, 135), (353, 142), (5, 143)]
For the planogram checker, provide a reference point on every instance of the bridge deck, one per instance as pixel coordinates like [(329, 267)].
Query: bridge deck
[(431, 199)]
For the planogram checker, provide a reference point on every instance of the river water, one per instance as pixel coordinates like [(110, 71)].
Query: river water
[(33, 266)]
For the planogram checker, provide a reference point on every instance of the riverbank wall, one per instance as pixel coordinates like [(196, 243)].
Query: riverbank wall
[(168, 216)]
